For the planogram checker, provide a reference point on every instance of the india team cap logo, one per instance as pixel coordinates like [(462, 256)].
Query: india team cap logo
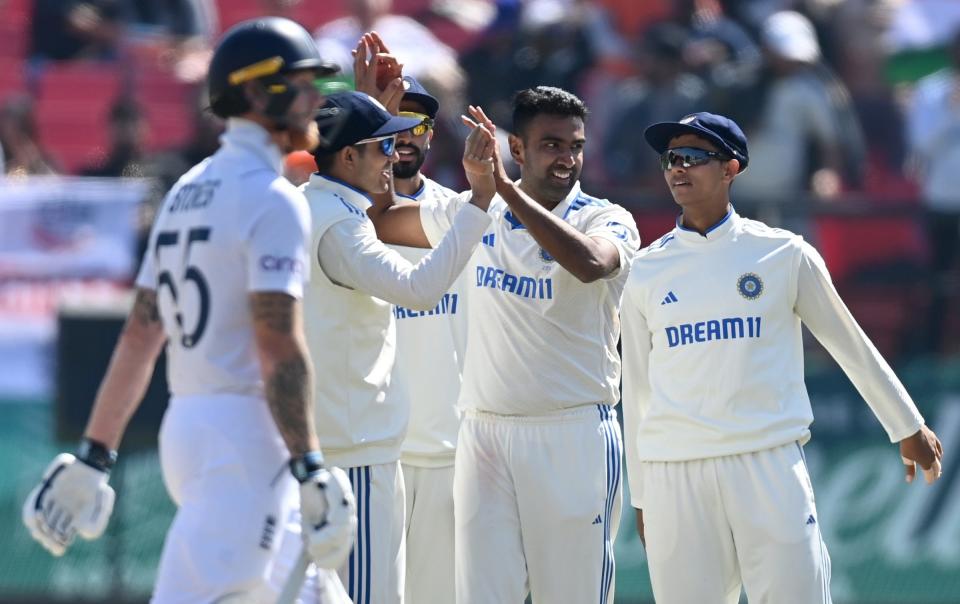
[(750, 286)]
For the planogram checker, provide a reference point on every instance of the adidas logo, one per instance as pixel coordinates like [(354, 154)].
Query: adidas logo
[(811, 520), (669, 299), (488, 239), (597, 520)]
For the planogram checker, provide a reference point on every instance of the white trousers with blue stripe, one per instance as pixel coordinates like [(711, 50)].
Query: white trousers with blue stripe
[(537, 507), (712, 524), (374, 572)]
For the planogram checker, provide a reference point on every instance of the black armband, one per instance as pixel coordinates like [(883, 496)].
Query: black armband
[(96, 455), (306, 466)]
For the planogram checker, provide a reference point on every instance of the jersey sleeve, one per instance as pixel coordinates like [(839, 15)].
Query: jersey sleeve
[(277, 256), (438, 213), (636, 344), (350, 255), (820, 308), (616, 225)]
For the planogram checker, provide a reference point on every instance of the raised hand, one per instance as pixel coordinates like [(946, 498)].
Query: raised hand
[(922, 448), (478, 161), (499, 171), (377, 72)]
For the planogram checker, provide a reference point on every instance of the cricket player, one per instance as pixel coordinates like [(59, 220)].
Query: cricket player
[(537, 472), (428, 369), (715, 407), (350, 324), (220, 286)]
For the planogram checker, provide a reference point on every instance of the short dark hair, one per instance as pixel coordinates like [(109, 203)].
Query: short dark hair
[(529, 103), (324, 162)]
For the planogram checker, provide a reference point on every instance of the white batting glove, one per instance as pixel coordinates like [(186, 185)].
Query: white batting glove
[(328, 511), (73, 498)]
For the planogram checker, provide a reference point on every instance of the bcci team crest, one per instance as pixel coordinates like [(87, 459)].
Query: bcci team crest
[(545, 255), (750, 286)]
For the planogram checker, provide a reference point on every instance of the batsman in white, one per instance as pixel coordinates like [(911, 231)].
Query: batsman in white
[(715, 407), (537, 472), (220, 285), (430, 353), (350, 324)]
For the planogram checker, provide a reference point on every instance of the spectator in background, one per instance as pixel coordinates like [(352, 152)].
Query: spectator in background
[(127, 133), (805, 136), (934, 135), (179, 19), (64, 30), (720, 52), (22, 153), (856, 29), (415, 46), (663, 90)]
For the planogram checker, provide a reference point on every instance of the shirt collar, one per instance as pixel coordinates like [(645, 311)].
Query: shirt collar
[(350, 193), (418, 193), (254, 139), (718, 231), (561, 208)]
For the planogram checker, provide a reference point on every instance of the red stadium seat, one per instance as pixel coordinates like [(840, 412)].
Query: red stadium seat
[(73, 103)]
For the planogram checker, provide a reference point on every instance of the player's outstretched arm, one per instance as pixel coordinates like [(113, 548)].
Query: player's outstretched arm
[(286, 368), (73, 496), (401, 224), (587, 258), (922, 448), (820, 308)]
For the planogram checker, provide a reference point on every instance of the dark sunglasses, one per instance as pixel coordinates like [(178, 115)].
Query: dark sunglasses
[(386, 143), (688, 157), (426, 122)]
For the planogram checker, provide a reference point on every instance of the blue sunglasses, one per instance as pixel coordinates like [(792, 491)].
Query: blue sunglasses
[(387, 143)]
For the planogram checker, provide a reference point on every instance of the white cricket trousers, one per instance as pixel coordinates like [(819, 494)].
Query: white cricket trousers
[(537, 507), (225, 466), (712, 523), (374, 571), (430, 551)]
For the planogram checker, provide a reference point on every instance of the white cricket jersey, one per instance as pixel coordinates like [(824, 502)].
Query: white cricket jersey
[(350, 324), (230, 226), (430, 352), (539, 340), (712, 347)]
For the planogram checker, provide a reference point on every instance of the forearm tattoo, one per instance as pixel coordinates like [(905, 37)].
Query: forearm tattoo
[(289, 384), (288, 396), (145, 311)]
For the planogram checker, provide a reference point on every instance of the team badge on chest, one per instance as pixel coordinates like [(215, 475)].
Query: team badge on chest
[(545, 256), (750, 286)]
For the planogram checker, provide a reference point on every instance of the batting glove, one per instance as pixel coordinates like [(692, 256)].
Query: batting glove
[(328, 510), (72, 498)]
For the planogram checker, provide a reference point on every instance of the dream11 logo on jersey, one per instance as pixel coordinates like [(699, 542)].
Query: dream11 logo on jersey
[(281, 264)]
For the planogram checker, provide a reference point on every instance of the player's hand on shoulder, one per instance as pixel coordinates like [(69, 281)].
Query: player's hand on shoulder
[(328, 511), (922, 448), (73, 498)]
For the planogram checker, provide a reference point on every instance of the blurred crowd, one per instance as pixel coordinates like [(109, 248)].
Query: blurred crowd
[(846, 103)]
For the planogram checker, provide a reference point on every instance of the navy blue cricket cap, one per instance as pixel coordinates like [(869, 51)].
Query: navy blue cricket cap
[(721, 131), (346, 118), (414, 91)]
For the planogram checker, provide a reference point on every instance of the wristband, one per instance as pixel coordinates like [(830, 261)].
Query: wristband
[(306, 466), (96, 455)]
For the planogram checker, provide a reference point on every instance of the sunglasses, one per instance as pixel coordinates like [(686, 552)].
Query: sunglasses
[(688, 157), (425, 124), (387, 144)]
